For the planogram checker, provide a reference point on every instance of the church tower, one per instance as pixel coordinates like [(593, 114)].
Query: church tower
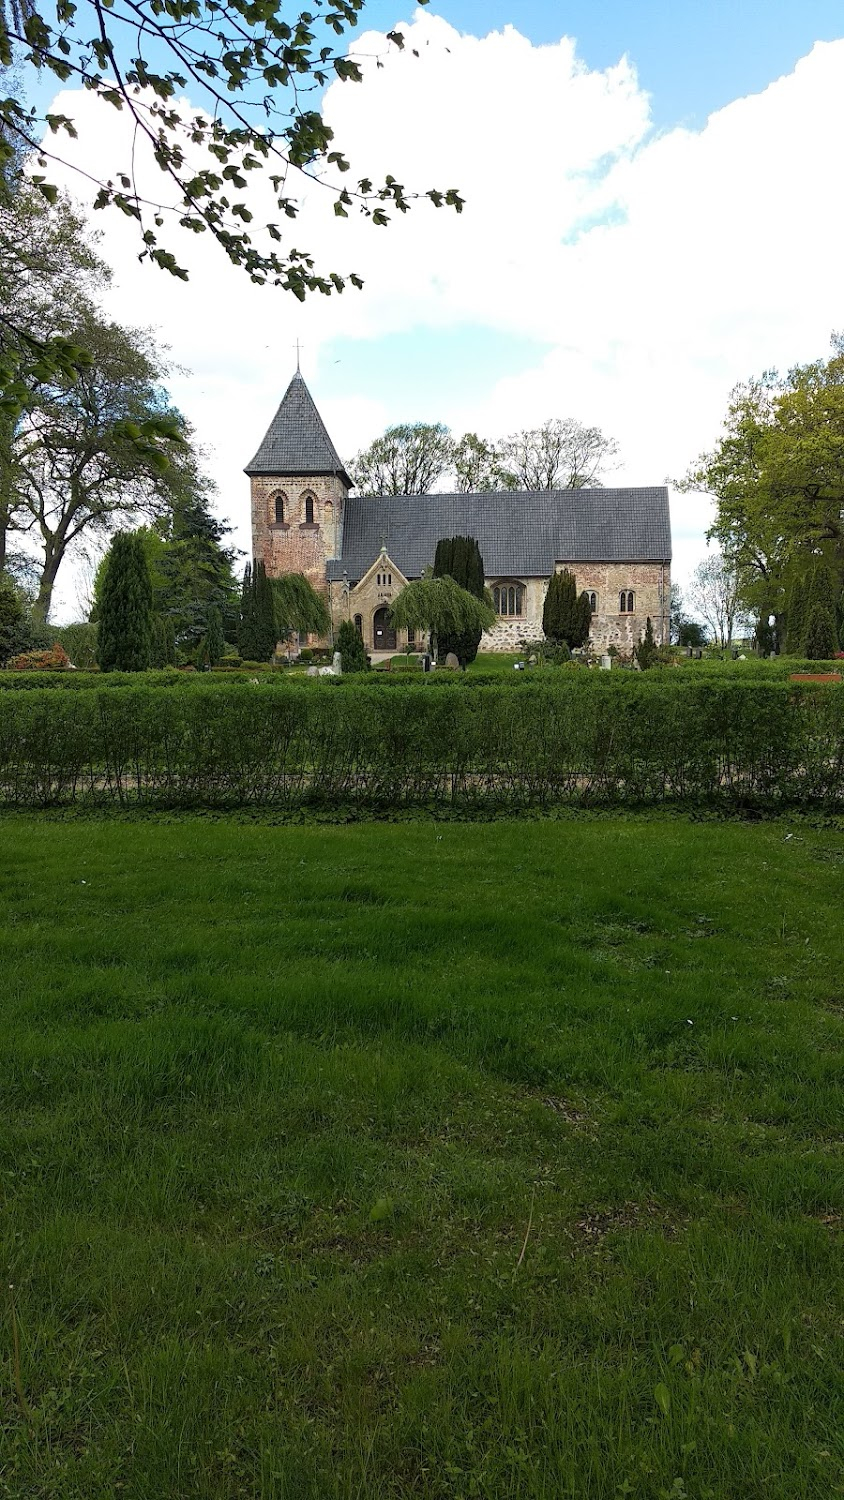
[(299, 491)]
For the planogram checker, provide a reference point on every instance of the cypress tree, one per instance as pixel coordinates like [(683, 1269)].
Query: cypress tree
[(125, 633), (797, 614), (822, 596), (353, 657), (566, 616), (214, 640), (246, 639), (266, 630), (459, 557), (163, 650), (647, 648), (821, 642)]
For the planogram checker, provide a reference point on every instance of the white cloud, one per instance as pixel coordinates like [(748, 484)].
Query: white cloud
[(711, 255)]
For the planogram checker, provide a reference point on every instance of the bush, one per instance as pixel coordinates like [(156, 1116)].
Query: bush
[(80, 643), (55, 659), (579, 738)]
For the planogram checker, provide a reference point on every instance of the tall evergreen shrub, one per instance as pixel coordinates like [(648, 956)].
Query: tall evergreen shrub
[(821, 641), (566, 615), (124, 639), (823, 597), (353, 657), (459, 557), (214, 640), (647, 649), (246, 637), (797, 614)]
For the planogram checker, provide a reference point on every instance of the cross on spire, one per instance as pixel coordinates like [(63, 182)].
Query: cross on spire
[(299, 347)]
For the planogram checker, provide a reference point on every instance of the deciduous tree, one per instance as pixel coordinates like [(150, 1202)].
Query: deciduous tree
[(715, 593), (443, 608), (410, 459), (562, 454)]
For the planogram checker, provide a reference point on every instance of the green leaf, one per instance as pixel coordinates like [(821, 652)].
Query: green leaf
[(383, 1209), (662, 1397)]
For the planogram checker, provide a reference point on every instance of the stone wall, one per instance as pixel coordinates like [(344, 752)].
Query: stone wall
[(650, 584)]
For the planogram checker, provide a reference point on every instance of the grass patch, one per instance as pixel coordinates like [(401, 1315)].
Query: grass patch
[(422, 1159)]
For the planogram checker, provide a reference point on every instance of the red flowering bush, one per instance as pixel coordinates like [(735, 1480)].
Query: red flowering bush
[(54, 660)]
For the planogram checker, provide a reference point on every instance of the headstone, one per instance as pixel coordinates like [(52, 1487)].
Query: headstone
[(335, 662), (312, 672), (606, 663), (452, 663)]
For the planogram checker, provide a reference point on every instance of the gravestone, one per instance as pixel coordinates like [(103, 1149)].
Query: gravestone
[(452, 663)]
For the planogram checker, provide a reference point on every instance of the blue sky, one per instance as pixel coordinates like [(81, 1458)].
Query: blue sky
[(693, 56)]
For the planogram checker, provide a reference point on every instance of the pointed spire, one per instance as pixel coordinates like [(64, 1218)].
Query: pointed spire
[(296, 441)]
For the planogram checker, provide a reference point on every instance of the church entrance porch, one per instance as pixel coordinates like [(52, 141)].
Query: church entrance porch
[(383, 634)]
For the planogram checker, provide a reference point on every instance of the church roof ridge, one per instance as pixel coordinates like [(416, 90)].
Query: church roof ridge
[(296, 441)]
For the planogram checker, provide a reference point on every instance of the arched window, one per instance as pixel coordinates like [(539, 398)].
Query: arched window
[(279, 509), (627, 603), (309, 510), (509, 599), (593, 601), (411, 636), (359, 624), (389, 580)]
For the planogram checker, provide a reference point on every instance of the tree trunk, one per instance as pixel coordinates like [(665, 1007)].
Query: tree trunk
[(54, 552)]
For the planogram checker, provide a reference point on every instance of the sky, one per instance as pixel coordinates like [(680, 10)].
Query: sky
[(653, 214)]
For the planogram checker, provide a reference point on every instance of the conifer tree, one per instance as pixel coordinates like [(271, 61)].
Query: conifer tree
[(566, 615), (459, 557), (266, 631), (125, 630), (246, 637), (797, 615), (163, 650), (821, 642), (822, 596), (214, 641), (647, 649), (353, 657)]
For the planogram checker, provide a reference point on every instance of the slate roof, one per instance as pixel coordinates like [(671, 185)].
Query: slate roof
[(296, 441), (521, 534)]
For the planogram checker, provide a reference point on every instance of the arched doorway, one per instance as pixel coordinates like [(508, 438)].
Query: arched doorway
[(383, 634)]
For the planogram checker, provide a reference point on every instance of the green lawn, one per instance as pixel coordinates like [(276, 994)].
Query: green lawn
[(422, 1160)]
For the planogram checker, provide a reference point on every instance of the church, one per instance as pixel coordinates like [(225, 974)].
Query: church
[(359, 551)]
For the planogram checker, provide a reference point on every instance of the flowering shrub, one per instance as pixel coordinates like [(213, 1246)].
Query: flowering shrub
[(55, 659)]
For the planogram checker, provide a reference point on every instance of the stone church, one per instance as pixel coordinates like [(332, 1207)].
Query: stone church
[(360, 551)]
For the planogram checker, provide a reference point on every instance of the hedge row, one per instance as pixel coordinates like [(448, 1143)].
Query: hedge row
[(634, 740)]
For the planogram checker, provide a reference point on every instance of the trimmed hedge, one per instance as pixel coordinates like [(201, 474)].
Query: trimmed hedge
[(581, 738)]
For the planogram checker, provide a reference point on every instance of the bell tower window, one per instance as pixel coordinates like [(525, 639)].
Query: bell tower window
[(309, 510), (279, 510)]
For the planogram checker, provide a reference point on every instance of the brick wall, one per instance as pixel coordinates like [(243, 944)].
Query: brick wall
[(296, 546)]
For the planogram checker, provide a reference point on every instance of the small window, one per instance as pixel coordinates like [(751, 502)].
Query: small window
[(309, 510), (627, 602), (359, 624), (378, 580), (279, 510), (593, 601), (411, 636), (389, 580)]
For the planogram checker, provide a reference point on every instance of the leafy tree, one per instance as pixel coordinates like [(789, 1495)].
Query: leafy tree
[(459, 557), (441, 607), (562, 454), (647, 650), (715, 593), (238, 62), (125, 627), (407, 460), (777, 475), (353, 657), (566, 616), (214, 641), (103, 449), (691, 633), (477, 468)]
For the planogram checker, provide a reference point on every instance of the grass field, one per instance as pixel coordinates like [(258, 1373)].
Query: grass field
[(437, 1161)]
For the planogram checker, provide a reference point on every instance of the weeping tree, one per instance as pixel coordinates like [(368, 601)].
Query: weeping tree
[(298, 607), (459, 557), (443, 609)]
